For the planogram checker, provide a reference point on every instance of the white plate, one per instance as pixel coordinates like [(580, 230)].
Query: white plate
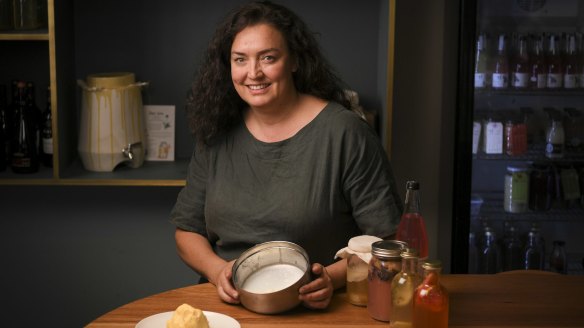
[(216, 320)]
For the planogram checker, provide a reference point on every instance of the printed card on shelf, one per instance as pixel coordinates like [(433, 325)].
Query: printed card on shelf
[(160, 130)]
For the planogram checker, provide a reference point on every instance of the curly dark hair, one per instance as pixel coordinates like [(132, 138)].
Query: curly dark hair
[(214, 107)]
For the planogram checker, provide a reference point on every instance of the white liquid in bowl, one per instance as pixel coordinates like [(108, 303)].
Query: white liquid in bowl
[(272, 278)]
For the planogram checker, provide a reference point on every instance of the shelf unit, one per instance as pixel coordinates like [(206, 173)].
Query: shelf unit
[(58, 39)]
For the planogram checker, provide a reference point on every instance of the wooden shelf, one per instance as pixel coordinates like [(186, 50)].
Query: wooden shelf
[(36, 35)]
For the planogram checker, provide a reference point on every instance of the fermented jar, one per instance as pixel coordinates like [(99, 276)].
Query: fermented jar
[(358, 256), (384, 265), (516, 198)]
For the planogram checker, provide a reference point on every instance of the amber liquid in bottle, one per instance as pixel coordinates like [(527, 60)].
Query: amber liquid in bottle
[(431, 302)]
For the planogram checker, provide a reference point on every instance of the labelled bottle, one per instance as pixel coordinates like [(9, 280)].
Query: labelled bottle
[(24, 157), (493, 135), (403, 287), (555, 137), (47, 133), (481, 75), (570, 67), (500, 66), (537, 64), (555, 70), (431, 301), (558, 259), (534, 252), (489, 254), (412, 228), (520, 66)]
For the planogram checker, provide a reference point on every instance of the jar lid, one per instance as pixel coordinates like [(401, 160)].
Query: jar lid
[(388, 248), (110, 80), (362, 244), (432, 264)]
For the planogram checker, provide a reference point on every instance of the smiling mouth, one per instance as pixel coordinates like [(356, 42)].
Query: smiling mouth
[(258, 86)]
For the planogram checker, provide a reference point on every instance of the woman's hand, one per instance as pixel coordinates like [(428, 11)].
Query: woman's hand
[(225, 288), (317, 294)]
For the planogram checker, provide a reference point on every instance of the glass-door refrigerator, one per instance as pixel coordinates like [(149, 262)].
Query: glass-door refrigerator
[(519, 175)]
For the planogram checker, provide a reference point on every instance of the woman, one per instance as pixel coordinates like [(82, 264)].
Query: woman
[(278, 156)]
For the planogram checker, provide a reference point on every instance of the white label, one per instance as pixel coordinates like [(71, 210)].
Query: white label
[(48, 145), (500, 80), (480, 80), (520, 80), (554, 81), (570, 81), (476, 134), (494, 138)]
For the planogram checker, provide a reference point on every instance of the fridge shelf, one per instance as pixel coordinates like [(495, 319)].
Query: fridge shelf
[(492, 210), (579, 92), (535, 153)]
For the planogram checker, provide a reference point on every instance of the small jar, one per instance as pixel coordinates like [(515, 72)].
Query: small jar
[(515, 137), (516, 198), (359, 255), (384, 265)]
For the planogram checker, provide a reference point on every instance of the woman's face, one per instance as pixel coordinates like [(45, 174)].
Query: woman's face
[(261, 67)]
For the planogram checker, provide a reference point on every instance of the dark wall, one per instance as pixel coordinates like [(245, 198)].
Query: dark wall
[(75, 253)]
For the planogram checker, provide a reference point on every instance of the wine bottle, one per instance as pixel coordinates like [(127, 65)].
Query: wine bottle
[(24, 147), (481, 75), (47, 133)]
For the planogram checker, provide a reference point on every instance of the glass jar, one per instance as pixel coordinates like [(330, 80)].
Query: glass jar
[(516, 196), (384, 265), (358, 258), (515, 137), (402, 290)]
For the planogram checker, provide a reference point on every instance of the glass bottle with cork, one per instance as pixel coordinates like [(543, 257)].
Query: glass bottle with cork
[(384, 265), (481, 75), (555, 76), (402, 290), (431, 301), (520, 65)]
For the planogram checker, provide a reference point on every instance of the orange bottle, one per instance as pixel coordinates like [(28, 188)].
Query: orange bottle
[(431, 299)]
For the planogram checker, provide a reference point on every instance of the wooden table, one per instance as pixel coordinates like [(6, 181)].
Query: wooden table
[(501, 300)]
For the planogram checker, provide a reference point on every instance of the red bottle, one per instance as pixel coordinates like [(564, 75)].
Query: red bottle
[(412, 228)]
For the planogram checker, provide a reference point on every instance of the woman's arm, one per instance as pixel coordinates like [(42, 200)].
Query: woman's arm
[(195, 250)]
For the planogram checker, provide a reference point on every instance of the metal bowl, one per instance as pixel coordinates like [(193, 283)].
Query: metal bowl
[(267, 279)]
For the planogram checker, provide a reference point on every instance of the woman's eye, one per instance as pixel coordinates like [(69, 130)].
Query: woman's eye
[(269, 58), (238, 60)]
